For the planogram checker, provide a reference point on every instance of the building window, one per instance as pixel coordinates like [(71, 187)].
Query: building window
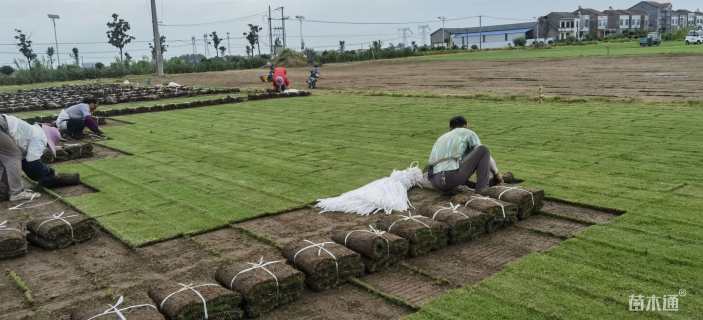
[(506, 37), (483, 39)]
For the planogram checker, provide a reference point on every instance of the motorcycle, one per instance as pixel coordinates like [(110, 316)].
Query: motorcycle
[(312, 80)]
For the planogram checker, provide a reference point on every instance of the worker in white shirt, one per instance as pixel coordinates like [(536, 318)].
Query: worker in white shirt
[(74, 119), (21, 148)]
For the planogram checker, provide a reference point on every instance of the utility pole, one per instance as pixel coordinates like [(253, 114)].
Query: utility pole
[(157, 41), (53, 18), (206, 45), (302, 41), (480, 32), (423, 30), (229, 51), (283, 25), (195, 50), (443, 19), (270, 33), (405, 32)]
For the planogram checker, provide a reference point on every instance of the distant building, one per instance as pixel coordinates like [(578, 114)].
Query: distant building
[(588, 22), (494, 37), (442, 37), (559, 25), (659, 15)]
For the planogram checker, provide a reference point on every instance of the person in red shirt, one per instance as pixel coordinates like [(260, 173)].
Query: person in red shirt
[(280, 79)]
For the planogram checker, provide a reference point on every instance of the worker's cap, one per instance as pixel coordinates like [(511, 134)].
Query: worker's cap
[(53, 136)]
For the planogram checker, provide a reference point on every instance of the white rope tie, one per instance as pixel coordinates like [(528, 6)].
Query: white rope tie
[(532, 196), (114, 309), (59, 217), (475, 197), (258, 265), (321, 247), (191, 287), (4, 227), (455, 210), (374, 231), (410, 217)]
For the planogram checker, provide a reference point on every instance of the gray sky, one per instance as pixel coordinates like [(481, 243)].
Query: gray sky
[(82, 22)]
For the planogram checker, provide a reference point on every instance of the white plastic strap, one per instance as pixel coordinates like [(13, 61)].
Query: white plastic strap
[(191, 287), (258, 265), (475, 197), (114, 309), (4, 227), (321, 247), (410, 217), (62, 218), (374, 231), (454, 208), (506, 189)]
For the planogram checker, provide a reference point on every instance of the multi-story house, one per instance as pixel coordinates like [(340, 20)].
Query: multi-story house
[(679, 19), (587, 22), (559, 25), (659, 15)]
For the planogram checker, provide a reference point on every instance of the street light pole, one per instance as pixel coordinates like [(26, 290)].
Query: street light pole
[(302, 40), (443, 19), (53, 18)]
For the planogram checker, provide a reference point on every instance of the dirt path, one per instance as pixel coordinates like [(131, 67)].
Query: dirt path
[(104, 268), (653, 78)]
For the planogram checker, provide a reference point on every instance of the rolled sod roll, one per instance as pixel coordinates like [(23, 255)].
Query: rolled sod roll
[(13, 242), (197, 301), (138, 311), (60, 230), (325, 264), (527, 201), (464, 224), (423, 234), (503, 213), (264, 285), (378, 249)]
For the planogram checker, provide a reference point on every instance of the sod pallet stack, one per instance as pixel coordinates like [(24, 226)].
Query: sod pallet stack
[(121, 309), (464, 224), (378, 249), (60, 230), (211, 301), (423, 234), (527, 200), (325, 264), (504, 213), (264, 285), (13, 242)]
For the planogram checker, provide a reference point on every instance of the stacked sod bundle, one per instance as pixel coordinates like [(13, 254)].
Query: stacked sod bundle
[(60, 230), (378, 249), (527, 201), (325, 264), (119, 310), (13, 242), (423, 234), (264, 285), (503, 213), (69, 152), (464, 224), (197, 301)]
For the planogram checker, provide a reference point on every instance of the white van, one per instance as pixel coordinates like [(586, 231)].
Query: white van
[(694, 37)]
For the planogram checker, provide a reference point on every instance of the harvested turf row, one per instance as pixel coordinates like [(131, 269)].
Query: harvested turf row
[(378, 249)]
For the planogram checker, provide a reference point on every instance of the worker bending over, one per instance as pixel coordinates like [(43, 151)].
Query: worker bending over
[(74, 119), (280, 79), (456, 155)]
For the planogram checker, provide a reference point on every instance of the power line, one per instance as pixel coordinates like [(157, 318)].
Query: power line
[(212, 22), (385, 23)]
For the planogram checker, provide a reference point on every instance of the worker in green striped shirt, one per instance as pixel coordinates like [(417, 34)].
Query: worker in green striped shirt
[(456, 155)]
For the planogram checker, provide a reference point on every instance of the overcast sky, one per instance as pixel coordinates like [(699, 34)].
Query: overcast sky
[(82, 22)]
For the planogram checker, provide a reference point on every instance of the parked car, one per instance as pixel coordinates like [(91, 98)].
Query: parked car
[(694, 37), (652, 39)]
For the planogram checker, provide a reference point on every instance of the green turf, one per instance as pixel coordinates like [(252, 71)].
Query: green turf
[(593, 50), (199, 168), (41, 113)]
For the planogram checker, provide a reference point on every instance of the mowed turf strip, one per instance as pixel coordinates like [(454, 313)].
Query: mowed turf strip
[(201, 168)]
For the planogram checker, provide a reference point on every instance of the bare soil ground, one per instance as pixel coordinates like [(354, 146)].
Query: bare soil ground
[(651, 78), (103, 268)]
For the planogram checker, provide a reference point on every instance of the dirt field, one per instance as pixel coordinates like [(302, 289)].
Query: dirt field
[(651, 78), (104, 268)]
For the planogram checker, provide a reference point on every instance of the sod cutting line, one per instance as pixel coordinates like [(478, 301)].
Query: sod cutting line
[(385, 296)]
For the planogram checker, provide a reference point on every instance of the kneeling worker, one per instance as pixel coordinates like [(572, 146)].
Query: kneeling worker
[(457, 155), (21, 148), (74, 119), (280, 79)]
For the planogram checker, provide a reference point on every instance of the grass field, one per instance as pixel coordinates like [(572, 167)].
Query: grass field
[(197, 169), (559, 52)]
